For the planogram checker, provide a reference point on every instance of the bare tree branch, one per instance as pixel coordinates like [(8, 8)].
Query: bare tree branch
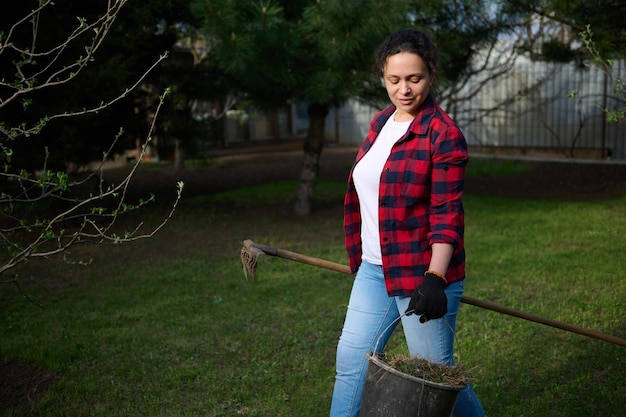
[(28, 228), (27, 83)]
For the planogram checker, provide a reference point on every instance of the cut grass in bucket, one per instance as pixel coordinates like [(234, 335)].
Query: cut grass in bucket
[(422, 368)]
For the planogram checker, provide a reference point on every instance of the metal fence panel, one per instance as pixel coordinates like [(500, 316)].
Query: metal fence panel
[(542, 107)]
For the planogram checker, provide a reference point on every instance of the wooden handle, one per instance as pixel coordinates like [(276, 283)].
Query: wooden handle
[(487, 305)]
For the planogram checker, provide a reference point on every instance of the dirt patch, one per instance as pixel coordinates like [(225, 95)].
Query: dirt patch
[(22, 384), (556, 179), (254, 165)]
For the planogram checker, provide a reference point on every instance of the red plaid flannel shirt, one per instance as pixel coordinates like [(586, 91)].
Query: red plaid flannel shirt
[(419, 199)]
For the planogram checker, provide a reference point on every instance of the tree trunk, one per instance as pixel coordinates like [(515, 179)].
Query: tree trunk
[(313, 146), (179, 155)]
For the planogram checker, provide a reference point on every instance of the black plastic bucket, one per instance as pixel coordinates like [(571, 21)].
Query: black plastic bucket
[(391, 393)]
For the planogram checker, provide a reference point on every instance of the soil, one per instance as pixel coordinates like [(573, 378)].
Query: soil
[(21, 383), (235, 167)]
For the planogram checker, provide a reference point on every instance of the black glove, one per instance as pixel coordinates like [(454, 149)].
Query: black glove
[(429, 301)]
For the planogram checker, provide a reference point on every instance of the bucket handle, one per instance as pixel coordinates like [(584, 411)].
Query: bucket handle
[(395, 321)]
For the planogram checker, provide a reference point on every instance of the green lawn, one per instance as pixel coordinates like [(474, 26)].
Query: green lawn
[(170, 326)]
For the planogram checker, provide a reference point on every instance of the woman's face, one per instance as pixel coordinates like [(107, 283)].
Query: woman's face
[(408, 83)]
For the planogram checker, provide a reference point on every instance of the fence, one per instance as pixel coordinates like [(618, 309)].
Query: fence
[(538, 108), (548, 108)]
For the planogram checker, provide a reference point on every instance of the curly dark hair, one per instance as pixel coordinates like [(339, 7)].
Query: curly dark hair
[(408, 40)]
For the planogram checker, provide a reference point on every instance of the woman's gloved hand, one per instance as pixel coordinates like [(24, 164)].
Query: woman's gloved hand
[(429, 300)]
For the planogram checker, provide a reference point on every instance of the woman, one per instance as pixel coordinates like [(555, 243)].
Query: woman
[(404, 225)]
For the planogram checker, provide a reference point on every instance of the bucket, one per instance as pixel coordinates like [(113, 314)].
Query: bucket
[(391, 393)]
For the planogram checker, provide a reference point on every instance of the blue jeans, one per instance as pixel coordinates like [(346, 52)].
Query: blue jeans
[(369, 323)]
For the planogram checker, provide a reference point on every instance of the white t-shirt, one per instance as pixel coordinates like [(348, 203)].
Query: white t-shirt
[(366, 176)]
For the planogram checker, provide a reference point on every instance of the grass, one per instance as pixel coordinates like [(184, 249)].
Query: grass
[(280, 192), (170, 327), (478, 167)]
